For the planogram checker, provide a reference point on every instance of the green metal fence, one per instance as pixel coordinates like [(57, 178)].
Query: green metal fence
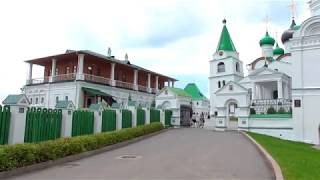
[(42, 125), (82, 123), (4, 124), (167, 117), (154, 115), (126, 119), (141, 117), (109, 120)]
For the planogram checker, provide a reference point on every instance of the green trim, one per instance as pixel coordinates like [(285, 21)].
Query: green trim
[(271, 116), (225, 42)]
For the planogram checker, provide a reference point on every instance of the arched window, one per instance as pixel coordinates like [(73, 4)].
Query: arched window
[(237, 67), (221, 67), (224, 82), (219, 84)]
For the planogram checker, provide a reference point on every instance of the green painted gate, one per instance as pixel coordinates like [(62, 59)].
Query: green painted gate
[(82, 123), (4, 124), (154, 115), (42, 125), (141, 117), (126, 119), (167, 117), (109, 120)]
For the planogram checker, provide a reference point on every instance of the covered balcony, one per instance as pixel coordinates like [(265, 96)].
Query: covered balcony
[(274, 93), (95, 68)]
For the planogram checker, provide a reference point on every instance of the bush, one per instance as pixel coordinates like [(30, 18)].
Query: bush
[(271, 110), (252, 111), (19, 155), (282, 111)]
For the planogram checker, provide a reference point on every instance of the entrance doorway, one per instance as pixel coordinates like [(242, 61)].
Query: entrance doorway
[(185, 115), (231, 118)]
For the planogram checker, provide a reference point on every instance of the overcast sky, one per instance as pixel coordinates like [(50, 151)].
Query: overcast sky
[(172, 37)]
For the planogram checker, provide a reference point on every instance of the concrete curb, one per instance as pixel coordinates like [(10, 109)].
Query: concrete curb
[(274, 165), (48, 164)]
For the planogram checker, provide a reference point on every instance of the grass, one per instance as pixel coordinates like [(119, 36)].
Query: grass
[(297, 160)]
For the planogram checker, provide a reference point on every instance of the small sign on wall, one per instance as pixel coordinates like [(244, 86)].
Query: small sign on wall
[(297, 103)]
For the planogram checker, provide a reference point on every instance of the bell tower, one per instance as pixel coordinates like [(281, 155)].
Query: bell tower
[(225, 65)]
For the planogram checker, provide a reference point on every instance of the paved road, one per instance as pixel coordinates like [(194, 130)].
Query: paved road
[(175, 154)]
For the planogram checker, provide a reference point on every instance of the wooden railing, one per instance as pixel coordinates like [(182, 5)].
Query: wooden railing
[(97, 79), (124, 85), (64, 77), (91, 78)]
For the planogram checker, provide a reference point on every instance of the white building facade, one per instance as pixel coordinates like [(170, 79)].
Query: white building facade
[(281, 94)]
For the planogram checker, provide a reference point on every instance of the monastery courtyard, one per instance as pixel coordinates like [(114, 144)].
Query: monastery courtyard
[(184, 153)]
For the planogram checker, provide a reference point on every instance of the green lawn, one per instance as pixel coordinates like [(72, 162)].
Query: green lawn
[(297, 160)]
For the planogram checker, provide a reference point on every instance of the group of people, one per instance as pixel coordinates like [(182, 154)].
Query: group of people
[(198, 122)]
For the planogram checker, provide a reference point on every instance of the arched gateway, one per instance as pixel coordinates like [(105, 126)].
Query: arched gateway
[(231, 114)]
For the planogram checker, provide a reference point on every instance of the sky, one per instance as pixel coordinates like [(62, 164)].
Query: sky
[(173, 37)]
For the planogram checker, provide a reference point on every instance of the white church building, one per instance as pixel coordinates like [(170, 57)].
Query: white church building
[(280, 96)]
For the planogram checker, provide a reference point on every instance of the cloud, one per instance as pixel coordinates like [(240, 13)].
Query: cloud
[(172, 37)]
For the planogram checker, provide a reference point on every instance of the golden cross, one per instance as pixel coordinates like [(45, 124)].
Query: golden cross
[(293, 8)]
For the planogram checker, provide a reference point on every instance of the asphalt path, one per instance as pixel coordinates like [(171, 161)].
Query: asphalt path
[(175, 154)]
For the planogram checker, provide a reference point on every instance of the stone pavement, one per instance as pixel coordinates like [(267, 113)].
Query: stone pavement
[(188, 153)]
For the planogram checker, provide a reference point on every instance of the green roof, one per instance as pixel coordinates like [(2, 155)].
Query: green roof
[(267, 40), (63, 104), (179, 92), (94, 92), (278, 50), (225, 42), (194, 91), (12, 99)]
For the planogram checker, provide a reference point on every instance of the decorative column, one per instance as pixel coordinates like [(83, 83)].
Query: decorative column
[(113, 83), (157, 83), (254, 91), (80, 67), (53, 69), (135, 80), (280, 89), (30, 74), (149, 82)]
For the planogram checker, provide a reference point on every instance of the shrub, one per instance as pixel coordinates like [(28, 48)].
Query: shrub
[(252, 111), (19, 155), (282, 111), (271, 110)]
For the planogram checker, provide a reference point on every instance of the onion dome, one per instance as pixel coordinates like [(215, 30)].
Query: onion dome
[(278, 50), (267, 40), (288, 34)]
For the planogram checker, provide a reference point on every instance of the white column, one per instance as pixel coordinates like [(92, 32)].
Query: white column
[(157, 83), (172, 83), (113, 65), (97, 122), (66, 124), (149, 82), (80, 66), (254, 91), (53, 69), (30, 73), (17, 125), (168, 83), (135, 79), (280, 89)]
